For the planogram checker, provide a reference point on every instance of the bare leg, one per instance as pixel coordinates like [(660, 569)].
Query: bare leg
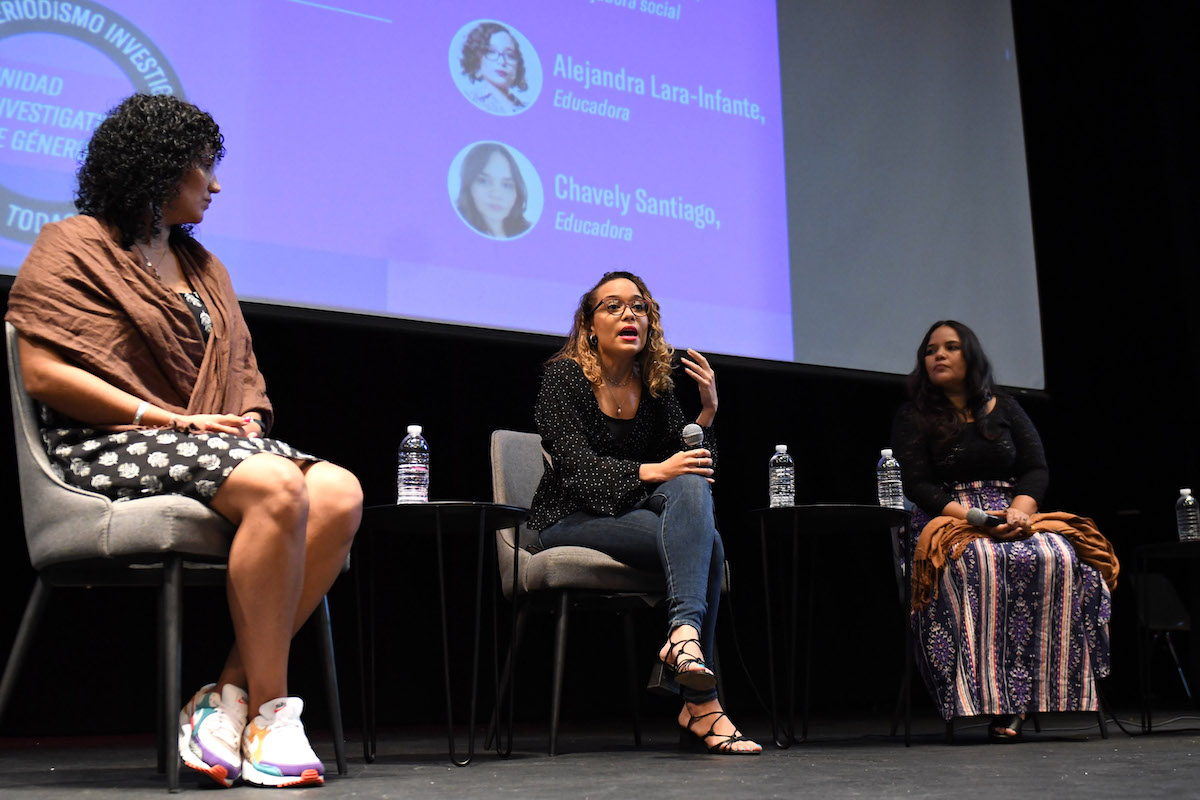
[(266, 497), (334, 512)]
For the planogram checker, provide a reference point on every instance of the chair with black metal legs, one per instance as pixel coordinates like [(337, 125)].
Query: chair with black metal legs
[(1160, 613), (78, 538), (560, 580)]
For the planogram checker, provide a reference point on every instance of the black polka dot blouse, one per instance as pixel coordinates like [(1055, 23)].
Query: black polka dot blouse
[(591, 471)]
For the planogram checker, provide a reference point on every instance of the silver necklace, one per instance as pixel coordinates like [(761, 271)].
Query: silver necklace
[(150, 264), (609, 383)]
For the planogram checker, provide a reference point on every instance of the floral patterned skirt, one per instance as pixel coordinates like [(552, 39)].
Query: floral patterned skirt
[(138, 463), (1016, 626)]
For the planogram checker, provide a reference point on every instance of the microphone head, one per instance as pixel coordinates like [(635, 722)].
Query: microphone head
[(693, 435), (979, 518)]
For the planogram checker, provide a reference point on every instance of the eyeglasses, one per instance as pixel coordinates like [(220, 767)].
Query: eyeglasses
[(496, 55), (616, 306)]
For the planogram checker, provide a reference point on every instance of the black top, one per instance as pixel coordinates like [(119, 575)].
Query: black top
[(1015, 455), (618, 428), (195, 304), (591, 470)]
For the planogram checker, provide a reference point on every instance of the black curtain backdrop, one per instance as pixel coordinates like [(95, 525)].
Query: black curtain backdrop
[(1109, 97)]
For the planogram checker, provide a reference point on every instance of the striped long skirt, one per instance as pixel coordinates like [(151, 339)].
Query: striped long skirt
[(1016, 626)]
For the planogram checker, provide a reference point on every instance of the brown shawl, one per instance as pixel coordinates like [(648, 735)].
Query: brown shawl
[(95, 305), (945, 538)]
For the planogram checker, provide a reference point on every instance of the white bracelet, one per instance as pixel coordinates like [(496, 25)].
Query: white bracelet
[(141, 410)]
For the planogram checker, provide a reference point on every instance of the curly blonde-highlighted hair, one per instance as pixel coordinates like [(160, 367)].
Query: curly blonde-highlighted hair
[(653, 362)]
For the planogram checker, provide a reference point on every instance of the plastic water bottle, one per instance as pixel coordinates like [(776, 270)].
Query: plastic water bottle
[(887, 474), (412, 473), (781, 476), (1187, 516)]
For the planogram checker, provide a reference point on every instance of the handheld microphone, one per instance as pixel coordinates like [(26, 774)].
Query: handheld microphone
[(693, 436), (981, 519)]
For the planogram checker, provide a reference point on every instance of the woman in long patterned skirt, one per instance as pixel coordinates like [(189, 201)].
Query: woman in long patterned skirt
[(1016, 622)]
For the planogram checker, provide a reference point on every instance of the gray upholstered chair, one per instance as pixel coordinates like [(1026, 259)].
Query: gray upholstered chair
[(560, 578), (78, 538)]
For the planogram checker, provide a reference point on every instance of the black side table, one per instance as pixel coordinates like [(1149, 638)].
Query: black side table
[(806, 522), (413, 519)]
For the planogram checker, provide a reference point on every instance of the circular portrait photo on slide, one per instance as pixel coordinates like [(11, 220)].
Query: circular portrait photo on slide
[(495, 190), (495, 67)]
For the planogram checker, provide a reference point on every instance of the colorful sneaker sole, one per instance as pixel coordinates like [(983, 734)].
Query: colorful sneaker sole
[(308, 777), (218, 774)]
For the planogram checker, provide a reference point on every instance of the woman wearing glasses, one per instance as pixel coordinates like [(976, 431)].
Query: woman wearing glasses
[(491, 60), (622, 482)]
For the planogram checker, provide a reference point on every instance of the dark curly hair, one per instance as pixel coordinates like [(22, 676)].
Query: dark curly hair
[(939, 417), (653, 364), (136, 159), (479, 41)]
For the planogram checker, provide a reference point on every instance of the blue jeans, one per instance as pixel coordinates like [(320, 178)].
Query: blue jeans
[(672, 530)]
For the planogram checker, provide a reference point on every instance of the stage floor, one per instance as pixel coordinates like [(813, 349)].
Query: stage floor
[(846, 757)]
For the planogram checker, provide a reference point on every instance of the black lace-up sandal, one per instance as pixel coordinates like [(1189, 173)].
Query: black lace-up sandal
[(725, 742), (680, 666)]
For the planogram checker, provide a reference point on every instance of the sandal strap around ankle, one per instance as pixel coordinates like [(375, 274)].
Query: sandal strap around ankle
[(680, 661)]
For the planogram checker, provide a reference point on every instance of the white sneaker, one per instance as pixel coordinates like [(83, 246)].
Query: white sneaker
[(210, 732), (185, 715), (275, 750)]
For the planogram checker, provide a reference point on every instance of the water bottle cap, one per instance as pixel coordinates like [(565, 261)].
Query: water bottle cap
[(886, 452), (414, 430), (781, 448), (1185, 492)]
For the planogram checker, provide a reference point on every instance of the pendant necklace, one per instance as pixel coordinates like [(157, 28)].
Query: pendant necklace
[(150, 264), (608, 382)]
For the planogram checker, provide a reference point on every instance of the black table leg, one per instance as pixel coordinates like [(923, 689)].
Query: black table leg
[(478, 638), (472, 709), (786, 741), (514, 639), (364, 584), (1144, 642), (793, 587), (908, 636), (808, 626), (441, 568)]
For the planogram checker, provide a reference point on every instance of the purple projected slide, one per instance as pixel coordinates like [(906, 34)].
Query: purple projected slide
[(470, 162)]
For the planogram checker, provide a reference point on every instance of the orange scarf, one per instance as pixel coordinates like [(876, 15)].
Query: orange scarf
[(945, 538)]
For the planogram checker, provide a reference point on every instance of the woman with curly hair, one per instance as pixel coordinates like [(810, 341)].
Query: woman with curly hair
[(493, 197), (618, 481), (132, 342), (1014, 621), (491, 58)]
